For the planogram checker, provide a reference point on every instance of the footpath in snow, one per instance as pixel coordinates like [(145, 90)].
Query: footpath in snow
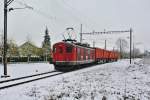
[(112, 80)]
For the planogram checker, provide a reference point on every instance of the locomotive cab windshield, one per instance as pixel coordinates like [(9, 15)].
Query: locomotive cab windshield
[(65, 49), (58, 49)]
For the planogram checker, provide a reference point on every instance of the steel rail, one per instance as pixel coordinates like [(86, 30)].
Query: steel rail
[(31, 80), (24, 77)]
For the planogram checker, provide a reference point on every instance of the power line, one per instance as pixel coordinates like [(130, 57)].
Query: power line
[(81, 14), (70, 12), (77, 14), (31, 8), (35, 10), (39, 12), (48, 16)]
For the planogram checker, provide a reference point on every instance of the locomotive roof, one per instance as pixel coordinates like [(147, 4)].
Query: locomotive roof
[(80, 45), (76, 44)]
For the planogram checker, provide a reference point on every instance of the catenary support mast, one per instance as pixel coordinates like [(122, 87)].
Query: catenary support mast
[(5, 39), (111, 32), (6, 3)]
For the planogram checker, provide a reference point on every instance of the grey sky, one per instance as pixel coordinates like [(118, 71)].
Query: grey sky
[(96, 15)]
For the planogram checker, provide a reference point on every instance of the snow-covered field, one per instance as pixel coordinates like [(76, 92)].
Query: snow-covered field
[(112, 80), (24, 69)]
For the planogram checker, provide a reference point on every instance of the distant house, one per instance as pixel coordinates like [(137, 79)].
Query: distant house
[(29, 49)]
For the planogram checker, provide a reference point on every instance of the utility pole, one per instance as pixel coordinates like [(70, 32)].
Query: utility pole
[(120, 49), (105, 44), (5, 39), (133, 53), (93, 44), (6, 4), (130, 44), (113, 48), (81, 34)]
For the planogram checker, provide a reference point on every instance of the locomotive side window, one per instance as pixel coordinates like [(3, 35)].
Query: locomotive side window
[(69, 48), (79, 53), (89, 54), (84, 54)]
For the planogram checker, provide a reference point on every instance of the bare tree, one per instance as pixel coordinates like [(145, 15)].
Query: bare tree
[(122, 45), (12, 48)]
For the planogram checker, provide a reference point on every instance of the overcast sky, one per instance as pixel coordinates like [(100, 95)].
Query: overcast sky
[(96, 15)]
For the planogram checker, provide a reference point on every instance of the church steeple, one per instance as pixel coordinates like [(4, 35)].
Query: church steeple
[(47, 37), (46, 45)]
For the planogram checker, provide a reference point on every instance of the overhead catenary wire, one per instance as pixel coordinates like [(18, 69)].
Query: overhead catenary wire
[(83, 18), (76, 18), (52, 18), (44, 14), (39, 12), (35, 10), (77, 14), (87, 21)]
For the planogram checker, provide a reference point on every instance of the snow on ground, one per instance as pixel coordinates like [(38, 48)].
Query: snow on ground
[(24, 69), (112, 80)]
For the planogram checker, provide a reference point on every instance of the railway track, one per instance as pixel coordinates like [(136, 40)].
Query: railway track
[(26, 79), (30, 78)]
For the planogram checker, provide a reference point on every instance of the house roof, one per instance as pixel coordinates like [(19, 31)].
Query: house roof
[(28, 44)]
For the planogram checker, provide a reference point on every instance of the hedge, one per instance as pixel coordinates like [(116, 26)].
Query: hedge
[(25, 59)]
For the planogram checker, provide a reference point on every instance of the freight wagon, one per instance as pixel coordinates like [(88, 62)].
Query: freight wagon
[(71, 55)]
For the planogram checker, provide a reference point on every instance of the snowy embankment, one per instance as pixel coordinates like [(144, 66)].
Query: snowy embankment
[(113, 80)]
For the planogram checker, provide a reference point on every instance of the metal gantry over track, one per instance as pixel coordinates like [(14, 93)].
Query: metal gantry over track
[(109, 32)]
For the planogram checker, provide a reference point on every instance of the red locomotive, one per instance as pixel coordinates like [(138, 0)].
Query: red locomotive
[(69, 54)]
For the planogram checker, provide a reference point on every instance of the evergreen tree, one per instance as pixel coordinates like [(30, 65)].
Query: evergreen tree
[(46, 45)]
